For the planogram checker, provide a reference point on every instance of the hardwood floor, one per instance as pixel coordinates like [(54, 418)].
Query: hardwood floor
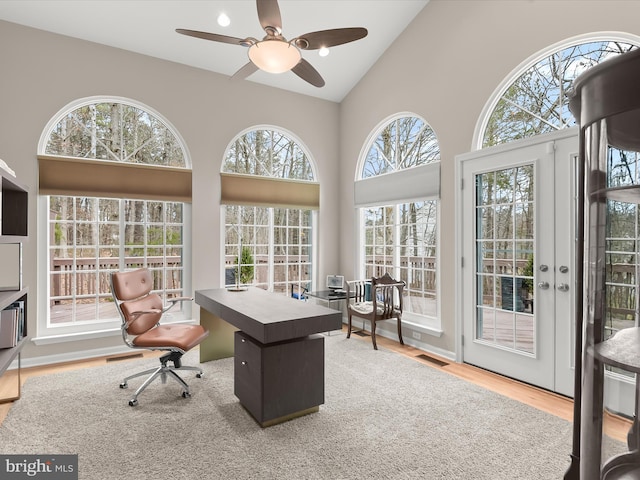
[(558, 405)]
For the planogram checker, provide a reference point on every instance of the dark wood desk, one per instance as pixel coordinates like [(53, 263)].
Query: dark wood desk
[(329, 297), (279, 361)]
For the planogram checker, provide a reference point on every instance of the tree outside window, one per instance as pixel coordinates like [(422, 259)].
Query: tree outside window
[(92, 236), (536, 102), (273, 243), (401, 238)]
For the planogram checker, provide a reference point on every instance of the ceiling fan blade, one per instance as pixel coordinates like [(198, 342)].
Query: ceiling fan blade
[(309, 74), (212, 36), (245, 71), (329, 38), (269, 15)]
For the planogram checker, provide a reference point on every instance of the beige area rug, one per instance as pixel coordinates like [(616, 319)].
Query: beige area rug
[(385, 417)]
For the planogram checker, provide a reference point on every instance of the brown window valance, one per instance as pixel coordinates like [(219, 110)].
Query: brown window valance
[(104, 178), (238, 189)]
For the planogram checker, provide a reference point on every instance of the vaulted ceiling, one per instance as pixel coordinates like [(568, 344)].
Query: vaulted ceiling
[(148, 27)]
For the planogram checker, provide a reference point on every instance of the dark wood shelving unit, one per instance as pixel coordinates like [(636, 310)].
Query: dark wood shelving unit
[(14, 208)]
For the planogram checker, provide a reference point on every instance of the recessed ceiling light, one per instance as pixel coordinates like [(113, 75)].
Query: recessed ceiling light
[(323, 52), (224, 20)]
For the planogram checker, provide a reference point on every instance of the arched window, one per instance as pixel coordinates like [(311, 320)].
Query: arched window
[(534, 101), (269, 194), (113, 187), (397, 190)]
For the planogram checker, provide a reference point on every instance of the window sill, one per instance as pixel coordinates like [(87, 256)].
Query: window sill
[(433, 330), (88, 335), (75, 337), (428, 325)]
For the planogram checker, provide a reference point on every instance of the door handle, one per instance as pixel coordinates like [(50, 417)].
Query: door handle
[(563, 287), (543, 285)]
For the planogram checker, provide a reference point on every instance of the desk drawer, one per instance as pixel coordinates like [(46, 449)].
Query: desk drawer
[(278, 379), (248, 374)]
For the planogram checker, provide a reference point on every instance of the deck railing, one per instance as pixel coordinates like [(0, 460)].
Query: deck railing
[(63, 273), (290, 265)]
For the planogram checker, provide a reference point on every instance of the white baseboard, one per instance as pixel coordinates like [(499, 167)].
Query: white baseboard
[(69, 357), (407, 336)]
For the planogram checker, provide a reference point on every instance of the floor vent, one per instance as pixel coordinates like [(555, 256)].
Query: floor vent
[(429, 359), (360, 333), (124, 357)]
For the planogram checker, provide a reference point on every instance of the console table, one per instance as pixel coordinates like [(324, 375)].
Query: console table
[(329, 296), (278, 358)]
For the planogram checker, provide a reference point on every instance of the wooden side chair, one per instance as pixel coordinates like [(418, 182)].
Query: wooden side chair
[(379, 299)]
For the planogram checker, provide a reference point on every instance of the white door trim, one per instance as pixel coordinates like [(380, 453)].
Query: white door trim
[(460, 296)]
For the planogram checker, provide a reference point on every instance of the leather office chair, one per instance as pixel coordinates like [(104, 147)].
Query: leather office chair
[(141, 311), (381, 299)]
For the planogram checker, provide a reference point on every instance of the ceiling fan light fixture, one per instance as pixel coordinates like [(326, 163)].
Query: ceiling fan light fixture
[(274, 56)]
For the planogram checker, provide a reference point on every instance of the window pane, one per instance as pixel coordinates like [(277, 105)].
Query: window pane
[(86, 232), (401, 240), (536, 101), (88, 250), (280, 252), (403, 143), (124, 133), (280, 248)]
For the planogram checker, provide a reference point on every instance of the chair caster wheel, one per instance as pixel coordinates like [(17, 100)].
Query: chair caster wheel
[(133, 403), (186, 395), (199, 375), (124, 385)]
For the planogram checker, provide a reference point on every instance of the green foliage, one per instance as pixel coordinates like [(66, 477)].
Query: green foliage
[(246, 266)]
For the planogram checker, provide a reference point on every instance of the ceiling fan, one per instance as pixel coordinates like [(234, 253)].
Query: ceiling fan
[(274, 54)]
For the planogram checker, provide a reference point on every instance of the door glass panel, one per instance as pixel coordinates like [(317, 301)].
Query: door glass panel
[(504, 252)]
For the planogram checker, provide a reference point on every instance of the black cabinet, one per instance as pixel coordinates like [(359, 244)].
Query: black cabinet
[(276, 380)]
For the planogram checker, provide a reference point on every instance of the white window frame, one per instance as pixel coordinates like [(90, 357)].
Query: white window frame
[(51, 334), (414, 184), (313, 260), (427, 323), (489, 107)]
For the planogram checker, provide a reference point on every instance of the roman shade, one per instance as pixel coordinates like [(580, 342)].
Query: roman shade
[(60, 175), (407, 185), (238, 189)]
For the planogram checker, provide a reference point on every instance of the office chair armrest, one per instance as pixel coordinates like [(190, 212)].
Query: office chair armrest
[(175, 300), (142, 312), (135, 315)]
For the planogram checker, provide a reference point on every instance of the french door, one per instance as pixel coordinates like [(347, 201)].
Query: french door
[(517, 274)]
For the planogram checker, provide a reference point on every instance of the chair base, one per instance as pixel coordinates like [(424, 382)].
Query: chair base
[(164, 371)]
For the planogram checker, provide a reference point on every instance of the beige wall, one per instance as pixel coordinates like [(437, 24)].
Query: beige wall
[(40, 73), (445, 67)]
